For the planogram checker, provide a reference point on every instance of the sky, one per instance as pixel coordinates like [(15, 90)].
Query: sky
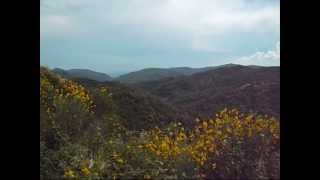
[(120, 36)]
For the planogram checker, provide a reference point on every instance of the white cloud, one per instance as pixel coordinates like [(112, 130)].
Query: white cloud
[(221, 17), (202, 27), (268, 58), (184, 16), (56, 24)]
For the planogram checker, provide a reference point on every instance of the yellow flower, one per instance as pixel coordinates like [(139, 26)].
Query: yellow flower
[(205, 125), (201, 163), (69, 174), (164, 146), (119, 160), (229, 130), (85, 171)]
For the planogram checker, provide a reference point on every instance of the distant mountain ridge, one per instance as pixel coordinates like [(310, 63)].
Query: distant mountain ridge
[(144, 75), (188, 93), (83, 73), (248, 88), (153, 74)]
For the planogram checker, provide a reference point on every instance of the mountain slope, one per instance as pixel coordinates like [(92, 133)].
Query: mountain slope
[(153, 74), (202, 94), (139, 109), (83, 73)]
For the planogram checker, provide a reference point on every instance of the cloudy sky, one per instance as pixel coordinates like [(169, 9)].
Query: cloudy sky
[(118, 36)]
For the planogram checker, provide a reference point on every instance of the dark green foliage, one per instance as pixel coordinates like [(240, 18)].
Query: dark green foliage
[(137, 109), (250, 89)]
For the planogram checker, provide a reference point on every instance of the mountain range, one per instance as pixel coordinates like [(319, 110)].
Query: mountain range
[(248, 88), (148, 74), (188, 93), (153, 74), (83, 73)]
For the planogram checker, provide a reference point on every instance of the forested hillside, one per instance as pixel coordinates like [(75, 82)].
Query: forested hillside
[(95, 130), (248, 88), (139, 109), (153, 74)]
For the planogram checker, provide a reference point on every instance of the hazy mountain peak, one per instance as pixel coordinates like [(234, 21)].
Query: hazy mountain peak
[(83, 73), (153, 74)]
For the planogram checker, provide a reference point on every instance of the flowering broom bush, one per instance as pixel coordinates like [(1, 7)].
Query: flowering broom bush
[(230, 146)]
